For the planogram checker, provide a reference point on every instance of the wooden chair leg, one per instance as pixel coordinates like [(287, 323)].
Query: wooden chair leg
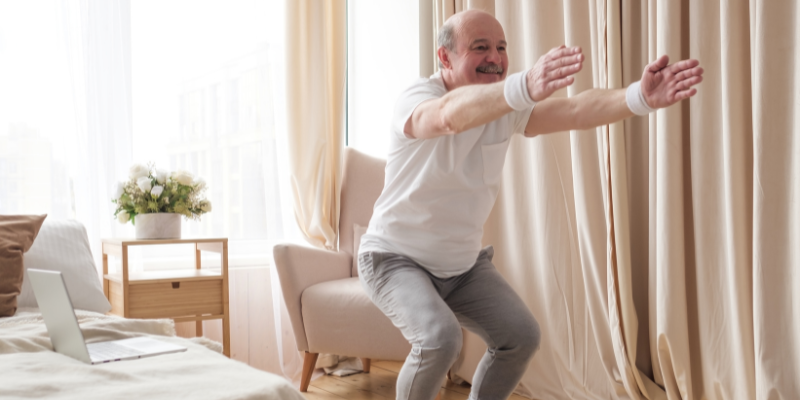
[(366, 363), (309, 361)]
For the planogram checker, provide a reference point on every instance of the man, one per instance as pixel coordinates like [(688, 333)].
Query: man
[(420, 260)]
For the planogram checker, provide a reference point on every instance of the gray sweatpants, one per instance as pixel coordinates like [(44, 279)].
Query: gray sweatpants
[(430, 312)]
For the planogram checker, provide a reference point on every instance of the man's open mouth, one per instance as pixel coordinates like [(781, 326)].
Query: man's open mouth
[(490, 69)]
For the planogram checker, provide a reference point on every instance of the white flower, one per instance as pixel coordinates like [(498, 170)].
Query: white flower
[(118, 191), (156, 191), (138, 171), (123, 217), (199, 183), (161, 176), (205, 206), (183, 177), (144, 183)]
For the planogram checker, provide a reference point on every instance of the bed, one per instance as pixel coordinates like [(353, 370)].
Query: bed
[(29, 368)]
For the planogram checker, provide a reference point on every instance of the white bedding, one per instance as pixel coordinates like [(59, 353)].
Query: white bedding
[(30, 369)]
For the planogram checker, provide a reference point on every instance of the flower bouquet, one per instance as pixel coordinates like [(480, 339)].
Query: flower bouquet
[(156, 199)]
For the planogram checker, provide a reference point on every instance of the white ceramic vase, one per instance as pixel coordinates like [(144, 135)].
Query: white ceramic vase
[(158, 226)]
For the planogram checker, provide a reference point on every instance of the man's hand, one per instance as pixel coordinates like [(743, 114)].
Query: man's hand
[(664, 85), (554, 71)]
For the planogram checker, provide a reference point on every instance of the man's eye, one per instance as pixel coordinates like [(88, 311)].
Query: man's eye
[(481, 47), (501, 48)]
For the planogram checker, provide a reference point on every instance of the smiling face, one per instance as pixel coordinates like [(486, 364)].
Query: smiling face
[(480, 51)]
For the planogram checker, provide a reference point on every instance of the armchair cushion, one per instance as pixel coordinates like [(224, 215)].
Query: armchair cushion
[(300, 267), (340, 318)]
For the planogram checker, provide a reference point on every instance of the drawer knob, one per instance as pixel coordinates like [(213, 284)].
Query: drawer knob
[(176, 285)]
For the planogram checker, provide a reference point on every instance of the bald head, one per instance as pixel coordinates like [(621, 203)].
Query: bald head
[(472, 49), (455, 24)]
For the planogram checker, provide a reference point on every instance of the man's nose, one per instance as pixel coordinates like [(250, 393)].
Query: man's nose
[(493, 56)]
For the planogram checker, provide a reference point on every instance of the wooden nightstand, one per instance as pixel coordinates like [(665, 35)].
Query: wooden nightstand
[(183, 295)]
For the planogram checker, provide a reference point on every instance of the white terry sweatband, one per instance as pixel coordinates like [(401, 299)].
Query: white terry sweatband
[(516, 91), (635, 99)]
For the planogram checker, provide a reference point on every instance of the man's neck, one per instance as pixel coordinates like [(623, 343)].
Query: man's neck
[(448, 79)]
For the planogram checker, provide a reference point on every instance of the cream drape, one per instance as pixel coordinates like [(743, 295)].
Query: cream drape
[(723, 211), (550, 223), (659, 254), (315, 120)]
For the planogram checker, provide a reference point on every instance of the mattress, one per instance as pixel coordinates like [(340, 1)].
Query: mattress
[(29, 368)]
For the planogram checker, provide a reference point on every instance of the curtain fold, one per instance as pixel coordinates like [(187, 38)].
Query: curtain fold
[(621, 311), (315, 103), (775, 41), (97, 40)]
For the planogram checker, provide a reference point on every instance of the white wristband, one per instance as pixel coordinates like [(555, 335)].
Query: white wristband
[(516, 91), (635, 99)]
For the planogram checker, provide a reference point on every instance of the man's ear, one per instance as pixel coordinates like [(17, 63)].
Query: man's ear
[(443, 58)]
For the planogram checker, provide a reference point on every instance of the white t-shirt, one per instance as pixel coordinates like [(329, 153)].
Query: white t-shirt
[(439, 192)]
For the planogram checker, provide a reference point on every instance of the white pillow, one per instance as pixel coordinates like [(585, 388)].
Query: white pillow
[(64, 246), (358, 231)]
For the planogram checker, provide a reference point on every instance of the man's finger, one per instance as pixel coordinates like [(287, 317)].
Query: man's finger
[(554, 85), (554, 50), (685, 94), (564, 62), (561, 72), (687, 83), (658, 64), (683, 65), (689, 73), (562, 51)]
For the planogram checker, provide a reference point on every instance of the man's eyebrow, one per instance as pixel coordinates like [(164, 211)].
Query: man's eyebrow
[(486, 41)]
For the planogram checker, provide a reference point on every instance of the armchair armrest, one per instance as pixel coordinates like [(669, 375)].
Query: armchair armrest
[(298, 268)]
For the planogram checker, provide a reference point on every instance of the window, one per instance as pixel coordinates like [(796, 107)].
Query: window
[(36, 113), (201, 100), (372, 88)]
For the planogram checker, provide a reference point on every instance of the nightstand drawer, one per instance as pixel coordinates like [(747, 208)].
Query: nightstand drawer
[(175, 299)]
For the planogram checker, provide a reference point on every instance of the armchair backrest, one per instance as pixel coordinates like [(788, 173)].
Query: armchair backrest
[(362, 182)]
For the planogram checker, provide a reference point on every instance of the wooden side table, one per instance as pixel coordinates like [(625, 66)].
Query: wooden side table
[(183, 295)]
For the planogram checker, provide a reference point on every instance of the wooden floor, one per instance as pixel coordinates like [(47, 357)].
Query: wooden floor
[(379, 383)]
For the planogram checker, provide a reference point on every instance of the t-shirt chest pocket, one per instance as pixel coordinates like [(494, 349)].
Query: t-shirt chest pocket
[(494, 157)]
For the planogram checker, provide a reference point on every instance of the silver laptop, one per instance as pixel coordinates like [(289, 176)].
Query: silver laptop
[(66, 335)]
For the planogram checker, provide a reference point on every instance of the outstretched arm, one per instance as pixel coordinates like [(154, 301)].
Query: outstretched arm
[(662, 86), (469, 106)]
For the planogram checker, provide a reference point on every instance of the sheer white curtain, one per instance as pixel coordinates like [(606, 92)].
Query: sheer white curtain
[(96, 36), (88, 87), (66, 110)]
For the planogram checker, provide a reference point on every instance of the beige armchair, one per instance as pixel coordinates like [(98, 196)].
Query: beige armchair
[(329, 310)]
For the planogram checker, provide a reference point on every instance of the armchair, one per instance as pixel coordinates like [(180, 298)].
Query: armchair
[(329, 311)]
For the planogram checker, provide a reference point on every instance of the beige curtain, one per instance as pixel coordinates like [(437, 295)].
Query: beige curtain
[(551, 223), (315, 103), (724, 214), (659, 254)]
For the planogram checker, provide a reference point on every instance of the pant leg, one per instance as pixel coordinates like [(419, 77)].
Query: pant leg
[(404, 292), (486, 304)]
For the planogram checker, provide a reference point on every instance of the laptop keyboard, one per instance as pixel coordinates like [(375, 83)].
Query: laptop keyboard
[(110, 351)]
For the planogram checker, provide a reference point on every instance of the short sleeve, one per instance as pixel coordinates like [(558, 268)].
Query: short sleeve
[(519, 119), (420, 91)]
